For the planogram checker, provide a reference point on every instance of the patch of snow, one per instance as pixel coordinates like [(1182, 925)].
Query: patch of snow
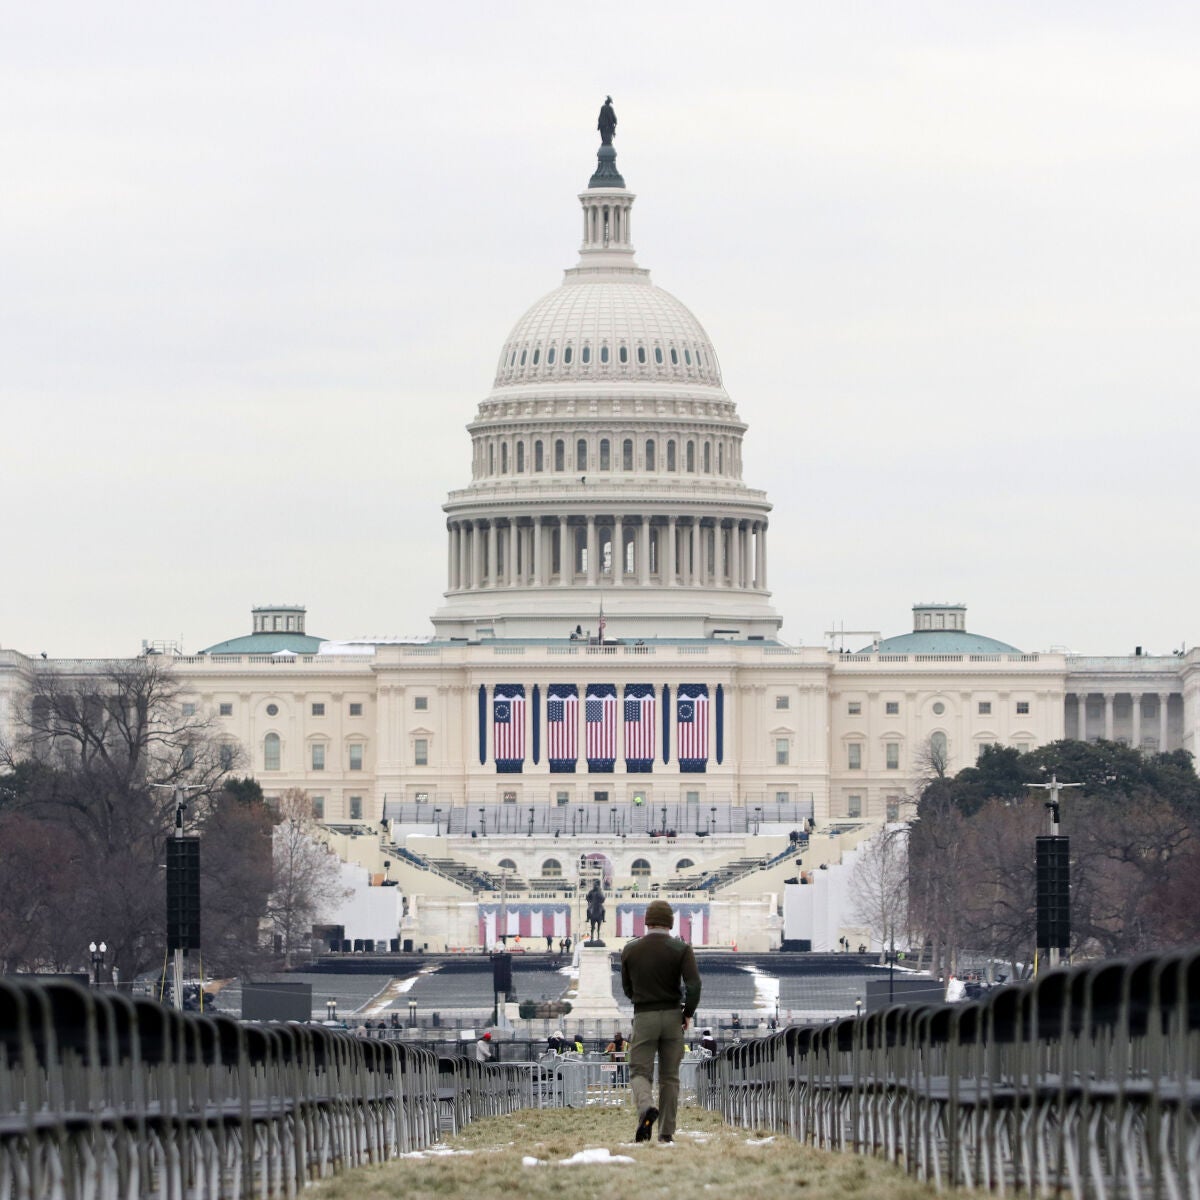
[(597, 1155), (759, 1141), (438, 1151), (530, 1161)]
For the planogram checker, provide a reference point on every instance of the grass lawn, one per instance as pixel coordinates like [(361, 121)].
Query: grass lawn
[(709, 1159)]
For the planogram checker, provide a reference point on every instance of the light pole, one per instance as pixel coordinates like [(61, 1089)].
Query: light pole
[(531, 822), (757, 819), (581, 820), (612, 820), (1053, 900), (98, 952), (858, 1006), (331, 1010), (482, 822), (664, 824), (437, 822), (412, 1014), (712, 819)]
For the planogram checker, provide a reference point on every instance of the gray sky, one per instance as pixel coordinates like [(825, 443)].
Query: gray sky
[(257, 262)]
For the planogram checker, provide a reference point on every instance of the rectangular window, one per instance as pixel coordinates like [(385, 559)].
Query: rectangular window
[(892, 752), (356, 808), (854, 708), (318, 710), (854, 806), (892, 708), (509, 797), (854, 756), (692, 797), (781, 752), (189, 758), (783, 797), (892, 808), (562, 799), (318, 757), (318, 807), (355, 709), (189, 709), (783, 701), (420, 751), (226, 710), (356, 757), (421, 797), (421, 703), (600, 797), (226, 756), (985, 708), (1022, 708)]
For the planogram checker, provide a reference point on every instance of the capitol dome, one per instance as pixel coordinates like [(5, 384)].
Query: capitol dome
[(607, 466)]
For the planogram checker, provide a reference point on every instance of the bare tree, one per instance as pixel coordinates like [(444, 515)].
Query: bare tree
[(307, 878), (879, 887)]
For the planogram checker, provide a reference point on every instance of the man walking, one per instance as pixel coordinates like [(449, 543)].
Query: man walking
[(659, 974)]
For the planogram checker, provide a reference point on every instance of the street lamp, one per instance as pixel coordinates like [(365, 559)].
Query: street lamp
[(712, 819), (612, 820), (437, 822), (412, 1014), (664, 824), (331, 1010), (858, 1006), (757, 819), (482, 822), (97, 953), (581, 820), (531, 822)]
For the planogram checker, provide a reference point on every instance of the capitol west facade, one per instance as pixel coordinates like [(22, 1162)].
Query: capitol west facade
[(606, 663)]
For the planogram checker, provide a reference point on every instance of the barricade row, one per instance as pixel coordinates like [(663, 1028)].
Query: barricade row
[(1085, 1081), (107, 1097)]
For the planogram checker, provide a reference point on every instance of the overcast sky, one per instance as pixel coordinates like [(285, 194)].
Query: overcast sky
[(257, 262)]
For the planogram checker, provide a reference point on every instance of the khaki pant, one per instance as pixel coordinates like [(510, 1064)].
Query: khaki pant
[(658, 1033)]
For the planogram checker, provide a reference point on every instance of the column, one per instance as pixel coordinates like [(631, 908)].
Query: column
[(1135, 734), (1163, 699), (476, 555), (762, 571), (618, 551), (694, 571), (511, 565), (723, 548), (591, 551), (451, 558), (643, 563), (1108, 716), (539, 555), (491, 573), (566, 553), (1081, 732), (464, 561), (666, 566), (747, 556)]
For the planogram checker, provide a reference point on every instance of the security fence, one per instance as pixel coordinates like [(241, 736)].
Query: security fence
[(107, 1096), (1085, 1081)]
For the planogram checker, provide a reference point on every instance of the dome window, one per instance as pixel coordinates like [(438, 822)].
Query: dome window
[(627, 455), (567, 356), (503, 458), (687, 356), (605, 462), (522, 358), (671, 456), (538, 459), (560, 455), (512, 359), (520, 458), (658, 355), (691, 456), (586, 355), (623, 354), (550, 357), (641, 356), (581, 455), (604, 354), (674, 357), (707, 458), (536, 355), (650, 455)]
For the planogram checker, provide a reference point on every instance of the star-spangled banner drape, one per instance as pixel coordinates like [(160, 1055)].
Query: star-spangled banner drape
[(638, 720), (508, 727), (562, 727), (691, 722), (600, 719)]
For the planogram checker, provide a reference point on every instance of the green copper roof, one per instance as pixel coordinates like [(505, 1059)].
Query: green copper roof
[(267, 643), (941, 641)]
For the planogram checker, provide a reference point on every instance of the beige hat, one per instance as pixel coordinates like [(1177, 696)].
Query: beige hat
[(660, 913)]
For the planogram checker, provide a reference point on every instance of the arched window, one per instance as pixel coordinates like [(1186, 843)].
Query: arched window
[(627, 454), (629, 557), (522, 358), (674, 357), (567, 356), (491, 459), (640, 869), (605, 463), (658, 355), (271, 752), (720, 458), (691, 456), (586, 356), (683, 864), (938, 748), (642, 355), (536, 355), (650, 455), (550, 357), (560, 455), (538, 463), (707, 458), (604, 354), (581, 551), (687, 357), (503, 458), (671, 466), (581, 455), (507, 864), (520, 458), (552, 869), (605, 543), (623, 354)]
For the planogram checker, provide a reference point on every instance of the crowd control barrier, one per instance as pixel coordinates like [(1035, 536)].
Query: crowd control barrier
[(107, 1097), (1085, 1082)]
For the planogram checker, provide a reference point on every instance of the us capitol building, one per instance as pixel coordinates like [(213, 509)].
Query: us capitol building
[(605, 683)]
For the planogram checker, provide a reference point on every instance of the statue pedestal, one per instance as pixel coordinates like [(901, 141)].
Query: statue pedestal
[(594, 998), (594, 942)]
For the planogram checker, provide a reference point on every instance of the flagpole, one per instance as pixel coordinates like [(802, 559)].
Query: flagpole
[(601, 618)]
